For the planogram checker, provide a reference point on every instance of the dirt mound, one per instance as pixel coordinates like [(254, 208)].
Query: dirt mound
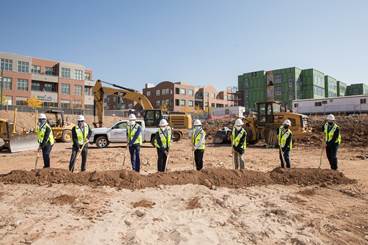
[(143, 204), (209, 177), (63, 200)]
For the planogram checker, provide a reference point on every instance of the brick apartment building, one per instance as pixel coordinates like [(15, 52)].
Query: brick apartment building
[(183, 97), (55, 83)]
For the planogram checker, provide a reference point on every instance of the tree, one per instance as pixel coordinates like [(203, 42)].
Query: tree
[(34, 102)]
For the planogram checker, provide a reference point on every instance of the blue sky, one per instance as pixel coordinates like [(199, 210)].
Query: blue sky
[(196, 41)]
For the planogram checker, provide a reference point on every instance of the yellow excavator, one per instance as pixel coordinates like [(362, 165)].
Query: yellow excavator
[(270, 116), (152, 117)]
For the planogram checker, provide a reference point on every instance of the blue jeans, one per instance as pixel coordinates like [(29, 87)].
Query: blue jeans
[(134, 157)]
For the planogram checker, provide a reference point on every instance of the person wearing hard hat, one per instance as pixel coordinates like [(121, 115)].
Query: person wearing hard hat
[(285, 142), (198, 141), (332, 139), (162, 142), (80, 136), (45, 138), (239, 143), (134, 136)]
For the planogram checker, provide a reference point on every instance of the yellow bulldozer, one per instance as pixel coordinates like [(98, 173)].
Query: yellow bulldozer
[(60, 128), (269, 117), (12, 140)]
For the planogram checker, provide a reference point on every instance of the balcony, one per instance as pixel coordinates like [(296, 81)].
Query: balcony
[(89, 83), (45, 77)]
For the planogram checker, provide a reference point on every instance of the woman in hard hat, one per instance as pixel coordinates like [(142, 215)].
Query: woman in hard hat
[(162, 142), (45, 139), (80, 136), (135, 141), (198, 141), (285, 141), (332, 139), (239, 143)]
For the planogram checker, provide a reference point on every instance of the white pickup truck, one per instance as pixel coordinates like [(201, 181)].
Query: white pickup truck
[(102, 137)]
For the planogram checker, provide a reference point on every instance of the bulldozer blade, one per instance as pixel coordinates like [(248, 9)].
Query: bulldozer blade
[(19, 143)]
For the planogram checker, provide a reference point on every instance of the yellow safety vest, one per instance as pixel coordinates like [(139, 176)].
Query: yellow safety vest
[(329, 135), (41, 134), (283, 135), (235, 139), (196, 138), (132, 131), (82, 136), (165, 139)]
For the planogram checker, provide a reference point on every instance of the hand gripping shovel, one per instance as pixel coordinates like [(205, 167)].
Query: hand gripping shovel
[(79, 153)]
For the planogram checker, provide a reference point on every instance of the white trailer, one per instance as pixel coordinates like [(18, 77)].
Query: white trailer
[(237, 111), (345, 104)]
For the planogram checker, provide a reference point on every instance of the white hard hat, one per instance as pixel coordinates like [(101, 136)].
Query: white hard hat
[(80, 118), (163, 123), (132, 117), (197, 123), (331, 117), (42, 116), (287, 122), (238, 122)]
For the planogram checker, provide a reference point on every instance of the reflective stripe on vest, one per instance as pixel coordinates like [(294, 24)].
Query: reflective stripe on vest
[(82, 138), (41, 134), (165, 139), (131, 133), (283, 135), (235, 139), (196, 138), (329, 134)]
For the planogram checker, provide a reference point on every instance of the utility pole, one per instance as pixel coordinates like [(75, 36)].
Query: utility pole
[(2, 87)]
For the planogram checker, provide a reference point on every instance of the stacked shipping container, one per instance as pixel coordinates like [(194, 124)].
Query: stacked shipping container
[(330, 86), (357, 89), (253, 87), (341, 88)]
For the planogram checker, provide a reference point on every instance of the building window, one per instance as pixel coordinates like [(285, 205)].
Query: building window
[(65, 72), (8, 100), (22, 84), (177, 91), (23, 66), (36, 86), (177, 102), (6, 64), (277, 90), (157, 92), (36, 69), (296, 105), (49, 71), (165, 91), (78, 74), (88, 76), (148, 93), (182, 91), (78, 90), (190, 103), (318, 104), (88, 91), (190, 92), (21, 100), (363, 101), (182, 102), (158, 102), (7, 83), (65, 104), (206, 95), (65, 88), (49, 87)]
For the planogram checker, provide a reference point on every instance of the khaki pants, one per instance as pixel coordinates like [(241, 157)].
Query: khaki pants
[(238, 160)]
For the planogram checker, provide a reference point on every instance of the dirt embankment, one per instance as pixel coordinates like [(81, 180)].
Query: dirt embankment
[(209, 177)]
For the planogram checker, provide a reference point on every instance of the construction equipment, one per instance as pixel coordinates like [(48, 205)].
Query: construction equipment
[(13, 141), (270, 115), (151, 116), (62, 131)]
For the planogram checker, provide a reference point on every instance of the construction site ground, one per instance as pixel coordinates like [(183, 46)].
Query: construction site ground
[(261, 205)]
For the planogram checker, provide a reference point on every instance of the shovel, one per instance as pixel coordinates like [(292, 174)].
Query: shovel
[(167, 160), (35, 168), (125, 154), (79, 153), (320, 159), (282, 156)]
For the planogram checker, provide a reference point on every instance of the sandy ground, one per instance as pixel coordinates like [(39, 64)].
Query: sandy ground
[(188, 214)]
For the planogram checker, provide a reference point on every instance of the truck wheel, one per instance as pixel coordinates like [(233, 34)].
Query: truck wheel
[(176, 136), (102, 142), (66, 136)]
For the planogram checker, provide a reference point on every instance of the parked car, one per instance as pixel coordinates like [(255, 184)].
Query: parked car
[(102, 137)]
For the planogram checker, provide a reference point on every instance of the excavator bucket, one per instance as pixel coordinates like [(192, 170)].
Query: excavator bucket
[(26, 142)]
